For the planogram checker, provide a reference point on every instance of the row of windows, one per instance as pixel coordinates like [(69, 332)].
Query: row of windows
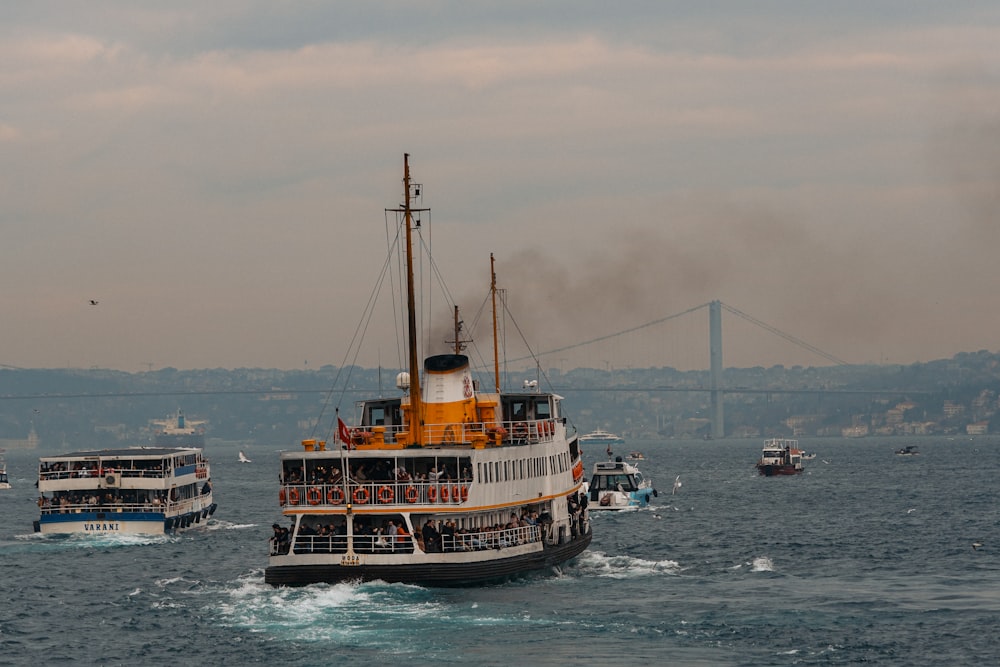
[(526, 468)]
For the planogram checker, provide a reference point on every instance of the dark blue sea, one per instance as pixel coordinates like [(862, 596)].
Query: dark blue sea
[(865, 558)]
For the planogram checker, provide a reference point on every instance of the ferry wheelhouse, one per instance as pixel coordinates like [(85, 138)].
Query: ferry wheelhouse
[(135, 490), (442, 485)]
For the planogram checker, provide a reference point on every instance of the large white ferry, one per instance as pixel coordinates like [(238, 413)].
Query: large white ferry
[(441, 485), (135, 490)]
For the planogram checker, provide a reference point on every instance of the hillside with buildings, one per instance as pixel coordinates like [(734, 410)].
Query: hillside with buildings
[(70, 408)]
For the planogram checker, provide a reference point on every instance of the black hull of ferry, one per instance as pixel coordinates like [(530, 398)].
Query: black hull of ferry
[(429, 574)]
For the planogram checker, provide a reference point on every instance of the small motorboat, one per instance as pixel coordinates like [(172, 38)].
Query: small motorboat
[(909, 450), (617, 485)]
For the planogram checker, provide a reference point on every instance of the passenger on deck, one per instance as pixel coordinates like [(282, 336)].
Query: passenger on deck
[(432, 538)]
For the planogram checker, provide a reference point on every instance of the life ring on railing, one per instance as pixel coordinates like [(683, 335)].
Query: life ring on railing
[(293, 496), (361, 495), (454, 493), (412, 494), (386, 494), (281, 497), (359, 437), (314, 495), (444, 493), (520, 430), (432, 493), (448, 437), (464, 493), (335, 495)]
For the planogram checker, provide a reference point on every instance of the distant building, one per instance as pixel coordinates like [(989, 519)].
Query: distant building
[(979, 428)]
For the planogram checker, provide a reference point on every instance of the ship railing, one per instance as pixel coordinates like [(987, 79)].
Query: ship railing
[(490, 539), (85, 473), (451, 492), (78, 508), (526, 432)]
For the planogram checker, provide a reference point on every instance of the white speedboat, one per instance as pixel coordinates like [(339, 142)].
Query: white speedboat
[(618, 485), (442, 484), (135, 490)]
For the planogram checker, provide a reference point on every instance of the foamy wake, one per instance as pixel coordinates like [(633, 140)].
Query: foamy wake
[(596, 563)]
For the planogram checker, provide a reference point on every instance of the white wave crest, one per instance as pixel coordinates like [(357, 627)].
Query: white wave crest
[(596, 563)]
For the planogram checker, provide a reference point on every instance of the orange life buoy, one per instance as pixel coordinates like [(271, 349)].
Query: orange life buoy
[(360, 495), (281, 497), (454, 493), (520, 430), (432, 493), (386, 494), (293, 496), (464, 491), (335, 495), (314, 495), (412, 494), (444, 493)]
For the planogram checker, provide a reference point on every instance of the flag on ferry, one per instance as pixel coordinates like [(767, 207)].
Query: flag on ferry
[(343, 432)]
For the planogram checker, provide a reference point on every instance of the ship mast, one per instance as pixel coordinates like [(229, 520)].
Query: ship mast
[(496, 350), (416, 405)]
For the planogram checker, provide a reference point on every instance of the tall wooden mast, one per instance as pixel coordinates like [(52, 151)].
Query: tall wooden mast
[(416, 404), (496, 345)]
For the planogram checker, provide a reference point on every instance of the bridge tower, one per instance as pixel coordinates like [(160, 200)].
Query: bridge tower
[(715, 359)]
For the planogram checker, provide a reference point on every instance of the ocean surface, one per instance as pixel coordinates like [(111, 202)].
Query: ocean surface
[(867, 557)]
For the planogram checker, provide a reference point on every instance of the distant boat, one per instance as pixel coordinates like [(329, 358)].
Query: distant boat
[(178, 431), (636, 456), (808, 457), (4, 482), (243, 458), (601, 437), (909, 450), (780, 456)]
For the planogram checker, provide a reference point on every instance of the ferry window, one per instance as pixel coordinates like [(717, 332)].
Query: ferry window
[(518, 411), (378, 416), (542, 410)]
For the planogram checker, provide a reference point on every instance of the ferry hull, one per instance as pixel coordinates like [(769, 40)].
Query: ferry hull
[(442, 574), (775, 470), (120, 523)]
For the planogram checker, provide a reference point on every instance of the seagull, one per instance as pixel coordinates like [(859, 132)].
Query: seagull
[(93, 302), (912, 509), (243, 458), (677, 485), (657, 516), (976, 545)]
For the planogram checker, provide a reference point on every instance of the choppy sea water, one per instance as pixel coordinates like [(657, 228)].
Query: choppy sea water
[(867, 557)]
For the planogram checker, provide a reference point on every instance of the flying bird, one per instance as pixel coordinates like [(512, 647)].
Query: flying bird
[(976, 545), (93, 302), (677, 485)]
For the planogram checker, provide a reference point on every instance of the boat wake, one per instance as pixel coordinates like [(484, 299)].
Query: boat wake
[(353, 614), (598, 564), (80, 541)]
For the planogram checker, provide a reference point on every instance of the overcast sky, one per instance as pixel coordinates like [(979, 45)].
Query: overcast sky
[(215, 175)]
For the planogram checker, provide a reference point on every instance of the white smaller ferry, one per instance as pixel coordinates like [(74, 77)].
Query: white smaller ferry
[(130, 491), (617, 485)]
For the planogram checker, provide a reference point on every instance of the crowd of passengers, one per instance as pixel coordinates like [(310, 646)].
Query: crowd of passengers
[(65, 470), (435, 536), (372, 471), (66, 502)]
